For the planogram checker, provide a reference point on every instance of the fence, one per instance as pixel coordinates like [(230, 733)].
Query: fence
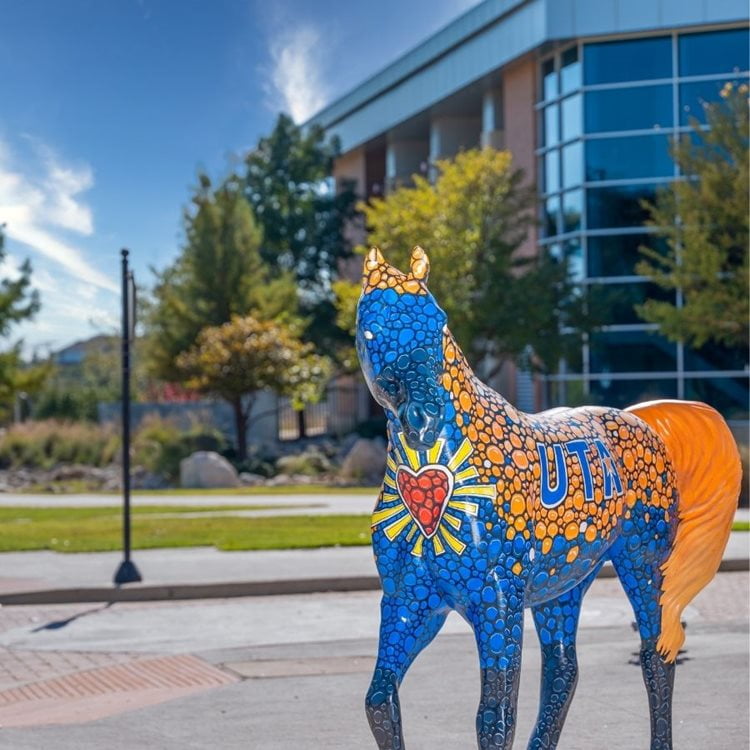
[(344, 406)]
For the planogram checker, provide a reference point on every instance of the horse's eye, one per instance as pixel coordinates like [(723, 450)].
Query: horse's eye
[(369, 336)]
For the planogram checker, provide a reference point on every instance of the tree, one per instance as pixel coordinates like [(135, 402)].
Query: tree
[(501, 303), (75, 390), (239, 358), (18, 302), (302, 216), (219, 274), (704, 219)]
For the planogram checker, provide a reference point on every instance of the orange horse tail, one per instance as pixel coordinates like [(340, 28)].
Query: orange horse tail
[(707, 464)]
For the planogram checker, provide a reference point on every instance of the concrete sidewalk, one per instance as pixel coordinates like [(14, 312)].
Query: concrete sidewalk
[(337, 501), (205, 572), (291, 672)]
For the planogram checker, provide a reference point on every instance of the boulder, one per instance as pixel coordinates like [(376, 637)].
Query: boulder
[(365, 461), (207, 469)]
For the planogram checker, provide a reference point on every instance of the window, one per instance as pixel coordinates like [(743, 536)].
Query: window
[(622, 393), (609, 113), (572, 161), (571, 117), (549, 80), (551, 129), (551, 210), (574, 256), (570, 71), (572, 253), (728, 395), (572, 209), (551, 171), (614, 304), (714, 52), (694, 95), (637, 108), (630, 60), (617, 206), (616, 255), (631, 351), (713, 356), (628, 157)]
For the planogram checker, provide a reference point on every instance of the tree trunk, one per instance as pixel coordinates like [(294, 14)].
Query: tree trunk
[(240, 427)]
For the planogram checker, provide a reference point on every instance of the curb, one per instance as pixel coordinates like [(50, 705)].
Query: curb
[(185, 591), (166, 592)]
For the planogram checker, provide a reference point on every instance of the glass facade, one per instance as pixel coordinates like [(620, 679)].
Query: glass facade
[(607, 113)]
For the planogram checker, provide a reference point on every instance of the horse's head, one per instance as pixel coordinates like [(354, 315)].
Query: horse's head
[(400, 344)]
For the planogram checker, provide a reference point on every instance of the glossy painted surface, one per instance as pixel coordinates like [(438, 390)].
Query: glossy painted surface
[(487, 510)]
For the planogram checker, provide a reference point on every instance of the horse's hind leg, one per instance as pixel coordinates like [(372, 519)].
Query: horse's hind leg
[(638, 557), (556, 624), (407, 624)]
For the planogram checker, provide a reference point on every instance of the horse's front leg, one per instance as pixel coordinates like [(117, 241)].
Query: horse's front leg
[(408, 622), (556, 624), (498, 627)]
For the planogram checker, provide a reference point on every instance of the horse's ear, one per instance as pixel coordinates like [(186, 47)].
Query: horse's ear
[(373, 261), (420, 264)]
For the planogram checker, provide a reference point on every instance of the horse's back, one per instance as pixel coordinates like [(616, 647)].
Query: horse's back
[(597, 467)]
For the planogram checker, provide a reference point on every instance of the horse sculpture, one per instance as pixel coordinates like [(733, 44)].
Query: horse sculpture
[(487, 510)]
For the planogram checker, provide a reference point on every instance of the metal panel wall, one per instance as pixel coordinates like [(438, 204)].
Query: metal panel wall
[(513, 36)]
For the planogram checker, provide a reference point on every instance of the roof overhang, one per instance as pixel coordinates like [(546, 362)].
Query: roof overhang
[(489, 36)]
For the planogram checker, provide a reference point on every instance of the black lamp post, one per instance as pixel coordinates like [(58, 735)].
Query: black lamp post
[(127, 571)]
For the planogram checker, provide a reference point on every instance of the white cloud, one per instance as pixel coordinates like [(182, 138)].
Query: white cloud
[(40, 203), (297, 84)]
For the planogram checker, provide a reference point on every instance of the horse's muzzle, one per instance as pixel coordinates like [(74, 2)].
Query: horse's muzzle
[(421, 423)]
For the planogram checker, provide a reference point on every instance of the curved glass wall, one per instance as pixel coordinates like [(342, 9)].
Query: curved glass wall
[(608, 111)]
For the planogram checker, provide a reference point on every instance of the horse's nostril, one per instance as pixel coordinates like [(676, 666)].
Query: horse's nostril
[(416, 416)]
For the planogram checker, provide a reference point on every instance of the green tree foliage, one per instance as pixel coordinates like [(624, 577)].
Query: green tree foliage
[(18, 302), (704, 220), (239, 358), (303, 218), (219, 274), (74, 390), (472, 222)]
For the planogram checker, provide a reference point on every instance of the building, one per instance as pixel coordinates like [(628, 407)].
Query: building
[(586, 94)]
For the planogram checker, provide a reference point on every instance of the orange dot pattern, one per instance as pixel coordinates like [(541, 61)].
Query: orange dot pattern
[(506, 454), (378, 274)]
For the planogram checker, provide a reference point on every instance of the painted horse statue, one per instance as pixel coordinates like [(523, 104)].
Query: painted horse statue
[(487, 510)]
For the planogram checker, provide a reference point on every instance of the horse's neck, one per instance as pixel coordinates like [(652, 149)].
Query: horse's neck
[(455, 361)]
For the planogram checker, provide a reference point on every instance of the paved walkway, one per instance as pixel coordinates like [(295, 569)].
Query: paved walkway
[(26, 571), (286, 672), (335, 502), (200, 567)]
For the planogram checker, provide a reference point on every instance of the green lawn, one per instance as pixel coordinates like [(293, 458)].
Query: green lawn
[(100, 529)]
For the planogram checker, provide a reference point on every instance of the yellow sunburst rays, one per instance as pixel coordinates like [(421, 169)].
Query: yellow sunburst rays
[(395, 515)]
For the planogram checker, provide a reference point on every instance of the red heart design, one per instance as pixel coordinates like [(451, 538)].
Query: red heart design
[(425, 493)]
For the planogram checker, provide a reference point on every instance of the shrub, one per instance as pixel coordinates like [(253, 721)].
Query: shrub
[(67, 404), (44, 444), (159, 444)]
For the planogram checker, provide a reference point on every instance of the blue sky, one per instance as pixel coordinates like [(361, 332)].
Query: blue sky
[(108, 109)]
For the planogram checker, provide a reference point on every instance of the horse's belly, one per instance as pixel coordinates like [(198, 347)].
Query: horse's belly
[(555, 573)]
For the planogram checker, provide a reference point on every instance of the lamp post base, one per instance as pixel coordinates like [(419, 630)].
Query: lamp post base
[(127, 573)]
